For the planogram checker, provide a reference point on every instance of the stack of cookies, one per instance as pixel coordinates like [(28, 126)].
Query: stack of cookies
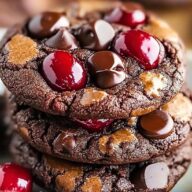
[(97, 101)]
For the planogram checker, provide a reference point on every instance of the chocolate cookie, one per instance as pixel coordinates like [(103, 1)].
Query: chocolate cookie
[(108, 142), (158, 174), (98, 65)]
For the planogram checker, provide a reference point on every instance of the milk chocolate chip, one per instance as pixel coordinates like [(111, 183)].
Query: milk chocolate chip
[(95, 36), (156, 125), (108, 69), (63, 40), (46, 24), (64, 142), (151, 177)]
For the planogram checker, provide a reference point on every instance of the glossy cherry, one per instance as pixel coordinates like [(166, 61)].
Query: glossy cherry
[(15, 178), (131, 18), (63, 72), (141, 46), (94, 125)]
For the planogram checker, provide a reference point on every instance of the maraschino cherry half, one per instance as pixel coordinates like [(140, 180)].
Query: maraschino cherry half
[(130, 18), (94, 125), (63, 72), (141, 46), (14, 178)]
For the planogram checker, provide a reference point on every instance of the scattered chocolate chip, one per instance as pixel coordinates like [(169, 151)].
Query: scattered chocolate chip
[(46, 24), (151, 177), (95, 36), (64, 143), (63, 40), (108, 69), (156, 125)]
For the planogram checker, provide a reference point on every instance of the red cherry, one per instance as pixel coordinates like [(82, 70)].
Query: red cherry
[(125, 17), (15, 178), (94, 124), (140, 45), (63, 72)]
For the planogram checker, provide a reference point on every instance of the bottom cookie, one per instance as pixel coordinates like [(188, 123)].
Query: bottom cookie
[(158, 174)]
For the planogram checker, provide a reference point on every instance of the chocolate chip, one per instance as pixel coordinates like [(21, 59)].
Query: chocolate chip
[(63, 39), (156, 125), (96, 35), (46, 24), (151, 177), (64, 142), (108, 69)]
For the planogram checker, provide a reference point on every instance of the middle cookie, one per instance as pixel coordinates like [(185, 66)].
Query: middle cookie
[(107, 141)]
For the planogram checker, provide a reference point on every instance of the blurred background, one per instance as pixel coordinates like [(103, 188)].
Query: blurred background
[(178, 13)]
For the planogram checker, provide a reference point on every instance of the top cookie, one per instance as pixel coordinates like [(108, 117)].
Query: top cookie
[(106, 64)]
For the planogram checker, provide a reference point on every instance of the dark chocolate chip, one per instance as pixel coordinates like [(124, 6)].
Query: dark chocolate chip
[(63, 39), (95, 36), (151, 177), (46, 24), (108, 68), (64, 142), (156, 125)]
